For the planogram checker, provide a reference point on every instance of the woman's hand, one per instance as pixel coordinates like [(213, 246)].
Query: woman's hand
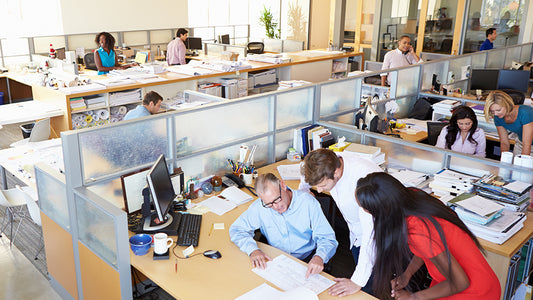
[(343, 287)]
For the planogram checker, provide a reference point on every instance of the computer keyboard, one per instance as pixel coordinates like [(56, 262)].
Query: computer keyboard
[(189, 230)]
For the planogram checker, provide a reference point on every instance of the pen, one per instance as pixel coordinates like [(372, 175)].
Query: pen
[(176, 266), (211, 230)]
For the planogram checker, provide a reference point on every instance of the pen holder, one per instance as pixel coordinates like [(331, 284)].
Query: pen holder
[(247, 178)]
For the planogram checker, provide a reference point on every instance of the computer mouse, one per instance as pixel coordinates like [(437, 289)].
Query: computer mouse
[(214, 254)]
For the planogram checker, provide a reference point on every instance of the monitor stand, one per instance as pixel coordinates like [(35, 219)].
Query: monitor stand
[(150, 225)]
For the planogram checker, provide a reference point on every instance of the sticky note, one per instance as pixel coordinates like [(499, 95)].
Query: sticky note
[(188, 251), (140, 57), (218, 226)]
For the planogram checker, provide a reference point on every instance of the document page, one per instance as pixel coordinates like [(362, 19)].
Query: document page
[(266, 292), (218, 205), (288, 274)]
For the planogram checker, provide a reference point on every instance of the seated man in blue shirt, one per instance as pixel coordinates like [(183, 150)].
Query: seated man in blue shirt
[(151, 105), (291, 220), (488, 43)]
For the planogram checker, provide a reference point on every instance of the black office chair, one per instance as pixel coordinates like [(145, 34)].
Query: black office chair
[(446, 46), (255, 47), (434, 129), (88, 60), (518, 96)]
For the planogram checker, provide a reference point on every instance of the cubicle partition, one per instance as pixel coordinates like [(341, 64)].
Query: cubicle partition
[(85, 204)]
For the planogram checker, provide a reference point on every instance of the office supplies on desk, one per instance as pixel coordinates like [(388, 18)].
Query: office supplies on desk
[(213, 254)]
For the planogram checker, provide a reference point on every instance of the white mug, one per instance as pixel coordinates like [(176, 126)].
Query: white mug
[(161, 243), (247, 178)]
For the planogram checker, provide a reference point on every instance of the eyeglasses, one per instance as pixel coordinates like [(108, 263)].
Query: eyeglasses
[(270, 204)]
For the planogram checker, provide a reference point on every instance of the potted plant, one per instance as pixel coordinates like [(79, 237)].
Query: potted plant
[(267, 20)]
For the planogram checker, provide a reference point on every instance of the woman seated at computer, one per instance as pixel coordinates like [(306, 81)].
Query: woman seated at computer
[(105, 57), (518, 119), (462, 134), (412, 229)]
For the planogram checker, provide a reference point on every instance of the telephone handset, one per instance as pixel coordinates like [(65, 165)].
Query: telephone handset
[(232, 180)]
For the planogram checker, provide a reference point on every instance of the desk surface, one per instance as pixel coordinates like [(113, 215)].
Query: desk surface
[(27, 111), (201, 278)]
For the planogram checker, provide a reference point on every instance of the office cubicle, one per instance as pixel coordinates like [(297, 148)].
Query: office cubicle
[(200, 140)]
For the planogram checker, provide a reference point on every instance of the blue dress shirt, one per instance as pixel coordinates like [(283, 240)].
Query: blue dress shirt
[(139, 112), (298, 231), (487, 45)]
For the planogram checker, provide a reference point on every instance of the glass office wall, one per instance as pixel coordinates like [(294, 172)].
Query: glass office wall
[(440, 24), (504, 15), (398, 17)]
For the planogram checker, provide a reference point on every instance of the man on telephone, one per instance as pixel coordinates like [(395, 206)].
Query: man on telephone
[(291, 220), (404, 55)]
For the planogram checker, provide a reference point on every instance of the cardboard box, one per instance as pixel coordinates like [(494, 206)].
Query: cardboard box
[(228, 55)]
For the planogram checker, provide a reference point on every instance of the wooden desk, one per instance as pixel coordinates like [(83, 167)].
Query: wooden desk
[(203, 278)]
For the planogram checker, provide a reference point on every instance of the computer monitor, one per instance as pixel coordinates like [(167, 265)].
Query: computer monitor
[(161, 188), (484, 79), (224, 39), (514, 79), (194, 43)]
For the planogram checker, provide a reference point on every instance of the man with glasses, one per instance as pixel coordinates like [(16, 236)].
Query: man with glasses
[(291, 220)]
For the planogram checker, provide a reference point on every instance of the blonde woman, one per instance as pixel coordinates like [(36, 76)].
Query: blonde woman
[(507, 116)]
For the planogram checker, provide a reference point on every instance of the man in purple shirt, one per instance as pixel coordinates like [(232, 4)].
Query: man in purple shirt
[(176, 48)]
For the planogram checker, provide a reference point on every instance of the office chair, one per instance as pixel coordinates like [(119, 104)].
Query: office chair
[(39, 132), (35, 215), (446, 46), (434, 129), (518, 96), (88, 60), (14, 200), (255, 47)]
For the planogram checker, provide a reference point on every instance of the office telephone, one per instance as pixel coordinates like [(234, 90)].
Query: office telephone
[(232, 180)]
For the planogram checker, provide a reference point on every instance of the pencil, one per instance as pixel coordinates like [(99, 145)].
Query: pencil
[(176, 266), (211, 230)]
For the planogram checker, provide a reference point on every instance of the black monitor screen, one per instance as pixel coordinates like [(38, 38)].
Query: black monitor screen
[(194, 43), (224, 39), (484, 79), (513, 79), (161, 187)]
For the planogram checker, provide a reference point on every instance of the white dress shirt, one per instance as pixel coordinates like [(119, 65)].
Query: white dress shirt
[(395, 59)]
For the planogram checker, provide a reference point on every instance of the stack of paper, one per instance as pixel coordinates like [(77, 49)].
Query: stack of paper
[(77, 104), (445, 107), (475, 209), (501, 229), (125, 97), (411, 178), (370, 152), (229, 199), (95, 101), (448, 182), (292, 83), (269, 58), (511, 193)]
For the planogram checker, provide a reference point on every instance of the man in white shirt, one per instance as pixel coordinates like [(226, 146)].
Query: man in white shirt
[(404, 55), (337, 173)]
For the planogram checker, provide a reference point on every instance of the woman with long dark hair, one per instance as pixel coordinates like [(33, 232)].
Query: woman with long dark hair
[(411, 229), (462, 134), (105, 57)]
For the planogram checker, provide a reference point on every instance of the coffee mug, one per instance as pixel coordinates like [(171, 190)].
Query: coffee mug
[(161, 243), (247, 178)]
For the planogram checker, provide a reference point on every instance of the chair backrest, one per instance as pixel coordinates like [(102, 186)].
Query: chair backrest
[(40, 131), (88, 60), (434, 129), (518, 96), (446, 45), (33, 208), (256, 47)]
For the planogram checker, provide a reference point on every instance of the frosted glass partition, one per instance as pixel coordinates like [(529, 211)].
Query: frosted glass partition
[(525, 54), (241, 31), (102, 149), (96, 229), (347, 119), (272, 45), (353, 136), (495, 59), (457, 65), (82, 41), (339, 96), (206, 33), (161, 36), (294, 107), (284, 140), (479, 59), (213, 49), (237, 49), (428, 69), (472, 167), (404, 106), (201, 129), (513, 54), (52, 197), (407, 81), (292, 46), (216, 162)]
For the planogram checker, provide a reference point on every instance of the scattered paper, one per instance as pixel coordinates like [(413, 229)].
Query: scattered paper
[(266, 292), (218, 205), (288, 274), (480, 205), (219, 226), (289, 172)]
